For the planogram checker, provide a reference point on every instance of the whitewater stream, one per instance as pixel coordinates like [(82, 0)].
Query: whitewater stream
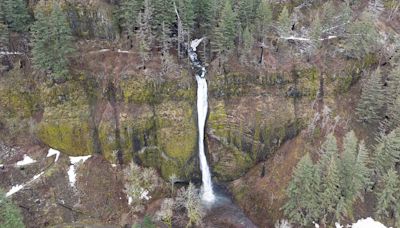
[(202, 108)]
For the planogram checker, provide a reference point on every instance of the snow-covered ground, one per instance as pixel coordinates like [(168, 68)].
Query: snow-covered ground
[(362, 223), (26, 161), (72, 171), (53, 152)]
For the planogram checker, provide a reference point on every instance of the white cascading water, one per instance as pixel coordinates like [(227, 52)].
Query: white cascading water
[(202, 108)]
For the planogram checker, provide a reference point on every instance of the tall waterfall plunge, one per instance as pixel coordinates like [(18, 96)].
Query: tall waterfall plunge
[(202, 108)]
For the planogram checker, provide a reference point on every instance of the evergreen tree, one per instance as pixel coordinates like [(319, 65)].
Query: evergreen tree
[(127, 14), (348, 165), (41, 51), (245, 9), (16, 15), (62, 39), (163, 13), (10, 215), (388, 205), (186, 12), (362, 177), (284, 23), (354, 173), (387, 152), (263, 19), (203, 11), (144, 34), (3, 30), (331, 194), (248, 42), (362, 37), (303, 205), (393, 97), (52, 41), (372, 99), (226, 31), (328, 151)]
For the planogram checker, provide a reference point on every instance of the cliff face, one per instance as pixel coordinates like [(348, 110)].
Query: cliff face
[(113, 106)]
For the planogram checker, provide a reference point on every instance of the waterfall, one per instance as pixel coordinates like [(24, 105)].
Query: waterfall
[(202, 108)]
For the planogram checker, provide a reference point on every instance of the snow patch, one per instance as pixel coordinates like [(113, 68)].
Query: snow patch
[(37, 176), (368, 223), (337, 225), (10, 53), (122, 51), (145, 195), (130, 200), (14, 189), (75, 160), (26, 161), (53, 152), (195, 43), (72, 171), (316, 225), (72, 175)]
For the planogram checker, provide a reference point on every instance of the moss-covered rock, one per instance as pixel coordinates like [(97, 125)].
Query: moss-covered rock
[(65, 123), (176, 135)]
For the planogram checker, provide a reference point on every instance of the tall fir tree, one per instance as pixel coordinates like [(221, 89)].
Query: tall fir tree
[(144, 35), (10, 215), (16, 15), (225, 33), (3, 30), (388, 205), (248, 42), (127, 13), (393, 98), (203, 11), (372, 99), (62, 39), (263, 20), (163, 13), (284, 22), (186, 12), (354, 172), (387, 152), (362, 37), (52, 41), (303, 205)]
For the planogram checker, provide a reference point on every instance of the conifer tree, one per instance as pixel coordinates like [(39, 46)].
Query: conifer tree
[(52, 41), (162, 13), (372, 99), (393, 97), (248, 42), (10, 215), (186, 12), (144, 34), (226, 31), (328, 151), (16, 15), (203, 11), (245, 11), (127, 14), (62, 39), (347, 165), (263, 19), (388, 197), (331, 192), (303, 205), (387, 152), (354, 173), (3, 30), (284, 23), (362, 37)]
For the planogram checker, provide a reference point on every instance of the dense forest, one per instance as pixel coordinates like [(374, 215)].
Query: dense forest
[(303, 126)]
